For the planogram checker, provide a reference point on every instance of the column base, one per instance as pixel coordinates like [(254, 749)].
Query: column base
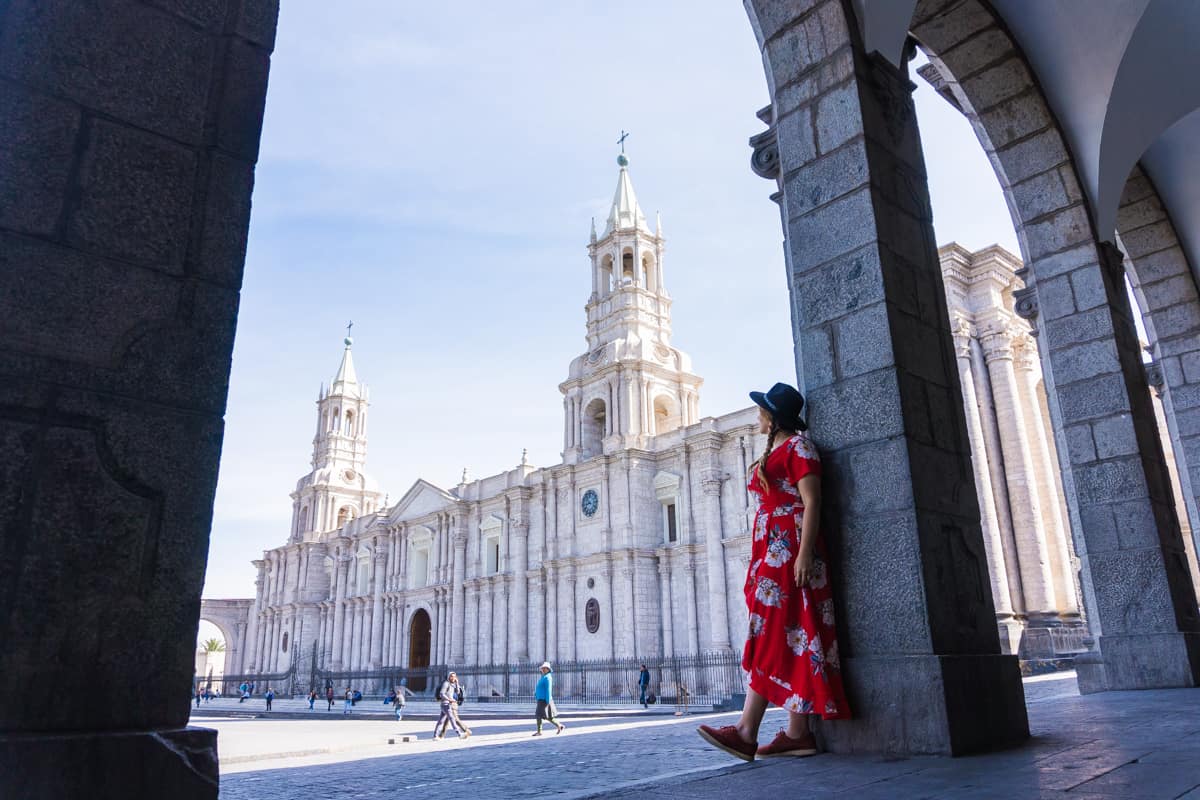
[(179, 763), (1147, 661), (943, 705)]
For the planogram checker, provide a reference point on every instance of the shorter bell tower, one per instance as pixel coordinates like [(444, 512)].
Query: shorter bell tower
[(337, 489)]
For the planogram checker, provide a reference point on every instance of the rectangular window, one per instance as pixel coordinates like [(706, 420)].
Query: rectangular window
[(418, 573), (672, 528), (493, 555)]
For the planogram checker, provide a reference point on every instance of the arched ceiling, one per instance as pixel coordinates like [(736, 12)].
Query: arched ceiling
[(1123, 79)]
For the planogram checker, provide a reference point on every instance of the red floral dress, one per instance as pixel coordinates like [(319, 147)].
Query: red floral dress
[(791, 652)]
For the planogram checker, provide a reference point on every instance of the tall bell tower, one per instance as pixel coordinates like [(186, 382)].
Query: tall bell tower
[(337, 489), (631, 384)]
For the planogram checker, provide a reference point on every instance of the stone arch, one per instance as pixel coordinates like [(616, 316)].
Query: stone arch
[(1100, 405), (1165, 286), (231, 617), (594, 427), (667, 416)]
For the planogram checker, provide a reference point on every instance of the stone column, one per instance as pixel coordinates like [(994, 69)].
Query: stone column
[(668, 612), (552, 614), (627, 647), (377, 580), (689, 590), (253, 657), (536, 641), (570, 647), (502, 584), (718, 609), (1053, 517), (473, 653), (458, 603), (341, 563), (487, 631), (876, 363), (608, 618), (518, 649), (993, 543), (1037, 582)]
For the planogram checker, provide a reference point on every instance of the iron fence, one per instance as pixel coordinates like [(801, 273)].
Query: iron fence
[(710, 679), (284, 683)]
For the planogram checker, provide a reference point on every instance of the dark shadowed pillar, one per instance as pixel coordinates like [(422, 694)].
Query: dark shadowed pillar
[(128, 137), (919, 645)]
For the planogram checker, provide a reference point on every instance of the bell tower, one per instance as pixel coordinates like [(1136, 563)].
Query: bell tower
[(631, 384), (337, 489)]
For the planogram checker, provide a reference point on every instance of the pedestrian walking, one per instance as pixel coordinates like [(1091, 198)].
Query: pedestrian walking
[(399, 702), (245, 692), (459, 696), (349, 706), (312, 698), (544, 695), (791, 652), (199, 693), (644, 684), (449, 705), (269, 696), (329, 698)]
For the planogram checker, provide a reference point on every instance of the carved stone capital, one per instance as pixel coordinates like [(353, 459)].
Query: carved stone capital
[(997, 344), (764, 161), (1025, 303)]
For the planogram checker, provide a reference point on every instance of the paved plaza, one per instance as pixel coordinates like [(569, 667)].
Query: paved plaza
[(1136, 745)]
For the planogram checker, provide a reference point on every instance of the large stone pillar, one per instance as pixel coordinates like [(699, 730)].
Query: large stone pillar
[(503, 585), (552, 621), (920, 648), (1010, 630), (1033, 555), (252, 658), (377, 580), (689, 599), (487, 631)]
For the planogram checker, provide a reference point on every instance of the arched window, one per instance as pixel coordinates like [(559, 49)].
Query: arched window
[(349, 423), (337, 420), (303, 521), (606, 275), (627, 276), (666, 414), (595, 421), (345, 514), (649, 278)]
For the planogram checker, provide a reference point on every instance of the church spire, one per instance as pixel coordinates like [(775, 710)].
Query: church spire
[(346, 381), (625, 212)]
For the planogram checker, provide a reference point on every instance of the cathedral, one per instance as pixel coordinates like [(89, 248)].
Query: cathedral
[(637, 544)]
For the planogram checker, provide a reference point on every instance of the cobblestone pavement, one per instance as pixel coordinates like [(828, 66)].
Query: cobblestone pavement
[(646, 756)]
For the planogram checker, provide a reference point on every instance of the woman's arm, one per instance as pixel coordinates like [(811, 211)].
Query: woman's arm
[(810, 496)]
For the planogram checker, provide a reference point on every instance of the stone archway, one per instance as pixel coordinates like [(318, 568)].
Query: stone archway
[(420, 645), (230, 617)]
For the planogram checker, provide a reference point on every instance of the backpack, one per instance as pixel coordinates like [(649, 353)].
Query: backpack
[(459, 695)]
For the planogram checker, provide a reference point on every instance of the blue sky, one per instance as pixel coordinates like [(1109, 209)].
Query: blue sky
[(431, 171)]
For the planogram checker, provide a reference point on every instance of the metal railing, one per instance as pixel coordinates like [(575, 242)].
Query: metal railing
[(710, 679), (284, 683)]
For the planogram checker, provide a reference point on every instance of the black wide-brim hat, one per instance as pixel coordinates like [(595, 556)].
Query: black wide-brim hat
[(784, 403)]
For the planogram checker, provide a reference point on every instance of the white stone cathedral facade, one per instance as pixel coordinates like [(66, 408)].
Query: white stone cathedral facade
[(637, 544)]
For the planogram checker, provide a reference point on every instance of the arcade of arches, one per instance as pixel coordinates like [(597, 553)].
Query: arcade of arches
[(128, 137)]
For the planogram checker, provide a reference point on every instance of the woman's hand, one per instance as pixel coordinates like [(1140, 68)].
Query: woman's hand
[(803, 567)]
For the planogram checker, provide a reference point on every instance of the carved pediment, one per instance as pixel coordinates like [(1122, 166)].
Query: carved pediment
[(423, 498)]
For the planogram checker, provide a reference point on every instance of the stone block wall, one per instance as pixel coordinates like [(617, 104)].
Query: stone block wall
[(128, 136)]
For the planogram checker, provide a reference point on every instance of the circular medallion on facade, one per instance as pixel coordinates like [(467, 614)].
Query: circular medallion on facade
[(590, 502), (349, 475), (591, 615)]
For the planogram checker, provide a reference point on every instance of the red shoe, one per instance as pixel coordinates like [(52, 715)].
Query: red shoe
[(784, 745), (729, 740)]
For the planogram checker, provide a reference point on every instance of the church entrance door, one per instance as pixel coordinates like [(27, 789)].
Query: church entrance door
[(420, 631)]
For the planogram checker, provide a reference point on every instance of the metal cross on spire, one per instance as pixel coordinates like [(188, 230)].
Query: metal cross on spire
[(349, 326), (621, 141)]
